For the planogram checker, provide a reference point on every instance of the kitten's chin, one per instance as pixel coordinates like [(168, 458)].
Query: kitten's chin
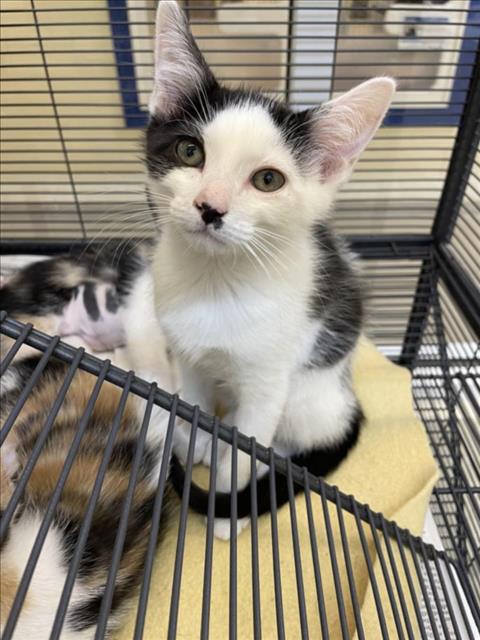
[(207, 240)]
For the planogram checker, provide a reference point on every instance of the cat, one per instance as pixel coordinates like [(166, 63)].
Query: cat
[(81, 293), (258, 298), (43, 293)]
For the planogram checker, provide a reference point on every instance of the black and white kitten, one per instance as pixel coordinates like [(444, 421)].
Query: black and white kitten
[(257, 296)]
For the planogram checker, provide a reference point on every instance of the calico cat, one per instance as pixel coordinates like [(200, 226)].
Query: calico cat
[(259, 299), (42, 599), (87, 292)]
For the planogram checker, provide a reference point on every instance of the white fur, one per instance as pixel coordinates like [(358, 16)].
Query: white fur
[(37, 615), (147, 347), (232, 319), (175, 75), (238, 142), (9, 381), (147, 355), (233, 300)]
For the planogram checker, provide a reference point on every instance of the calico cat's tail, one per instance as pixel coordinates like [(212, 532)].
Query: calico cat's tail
[(319, 462)]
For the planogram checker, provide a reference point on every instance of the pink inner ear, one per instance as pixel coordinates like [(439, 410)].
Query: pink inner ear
[(347, 124)]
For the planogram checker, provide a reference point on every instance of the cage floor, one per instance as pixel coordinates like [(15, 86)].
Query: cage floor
[(417, 590)]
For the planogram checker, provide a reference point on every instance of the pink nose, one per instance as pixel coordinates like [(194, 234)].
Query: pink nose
[(213, 196)]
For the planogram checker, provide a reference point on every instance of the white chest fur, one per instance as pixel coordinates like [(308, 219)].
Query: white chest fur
[(207, 306)]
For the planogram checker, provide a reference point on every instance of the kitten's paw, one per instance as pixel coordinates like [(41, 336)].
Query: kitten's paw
[(222, 448), (207, 456), (224, 472), (221, 527), (182, 443), (202, 444)]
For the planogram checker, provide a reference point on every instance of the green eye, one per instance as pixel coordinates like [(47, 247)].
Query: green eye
[(190, 153), (268, 180)]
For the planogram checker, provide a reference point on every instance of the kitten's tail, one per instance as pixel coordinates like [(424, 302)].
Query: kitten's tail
[(319, 462)]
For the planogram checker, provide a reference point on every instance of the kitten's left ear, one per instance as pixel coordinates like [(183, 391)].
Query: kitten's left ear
[(343, 127), (180, 69)]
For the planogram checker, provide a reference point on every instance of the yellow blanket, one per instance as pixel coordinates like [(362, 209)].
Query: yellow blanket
[(391, 469)]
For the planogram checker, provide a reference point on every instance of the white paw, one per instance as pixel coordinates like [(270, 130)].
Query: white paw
[(202, 443), (207, 456), (224, 471), (221, 527), (182, 443), (222, 448)]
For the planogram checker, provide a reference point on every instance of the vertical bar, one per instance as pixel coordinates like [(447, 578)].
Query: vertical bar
[(22, 398), (58, 122), (275, 550), (155, 525), (438, 603), (289, 50), (257, 623), (398, 584), (15, 346), (207, 572), (386, 577), (296, 554), (182, 530), (451, 613), (459, 599), (315, 560), (418, 315), (124, 520), (461, 162), (371, 572), (411, 588), (426, 599), (461, 568), (37, 449), (82, 426), (348, 564), (334, 563), (232, 624), (50, 511)]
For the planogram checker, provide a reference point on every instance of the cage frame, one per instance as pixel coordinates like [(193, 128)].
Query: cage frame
[(438, 266)]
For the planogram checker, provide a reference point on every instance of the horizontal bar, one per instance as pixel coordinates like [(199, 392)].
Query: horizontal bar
[(243, 51), (243, 23), (237, 37), (259, 7)]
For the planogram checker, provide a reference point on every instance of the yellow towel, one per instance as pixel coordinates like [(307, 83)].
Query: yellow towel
[(391, 469)]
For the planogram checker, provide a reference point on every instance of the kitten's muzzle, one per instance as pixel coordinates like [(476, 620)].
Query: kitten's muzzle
[(210, 215)]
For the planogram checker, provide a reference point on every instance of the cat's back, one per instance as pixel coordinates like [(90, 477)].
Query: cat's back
[(89, 429)]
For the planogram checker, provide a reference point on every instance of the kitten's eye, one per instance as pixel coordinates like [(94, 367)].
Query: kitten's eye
[(190, 153), (268, 180)]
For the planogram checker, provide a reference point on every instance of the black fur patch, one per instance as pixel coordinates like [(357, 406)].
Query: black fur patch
[(319, 462), (111, 301), (337, 301), (85, 615), (163, 133), (42, 288), (90, 301)]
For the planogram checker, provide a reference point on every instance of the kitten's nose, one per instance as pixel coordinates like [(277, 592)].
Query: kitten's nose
[(209, 214)]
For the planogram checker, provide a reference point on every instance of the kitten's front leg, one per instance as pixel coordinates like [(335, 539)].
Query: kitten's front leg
[(259, 412), (195, 389)]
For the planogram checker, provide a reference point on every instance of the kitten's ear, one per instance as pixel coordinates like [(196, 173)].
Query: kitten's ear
[(180, 68), (343, 127)]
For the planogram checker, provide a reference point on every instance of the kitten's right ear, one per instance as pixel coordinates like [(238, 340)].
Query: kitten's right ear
[(180, 69)]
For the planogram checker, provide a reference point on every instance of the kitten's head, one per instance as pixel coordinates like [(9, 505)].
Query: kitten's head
[(227, 167)]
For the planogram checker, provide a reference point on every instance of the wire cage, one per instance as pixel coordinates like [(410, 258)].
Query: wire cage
[(76, 77)]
